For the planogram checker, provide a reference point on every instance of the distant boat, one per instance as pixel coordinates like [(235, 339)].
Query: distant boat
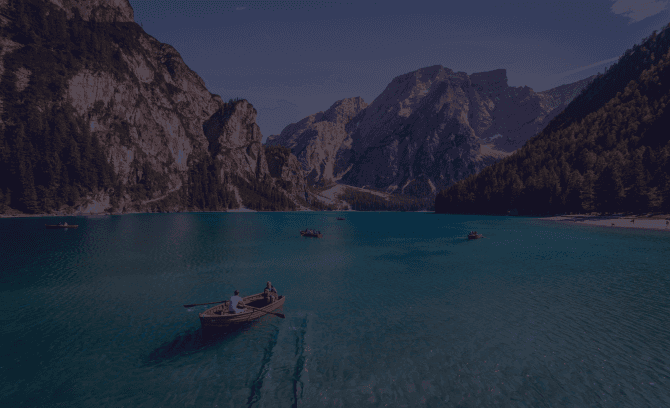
[(310, 234), (340, 218), (60, 226), (474, 235)]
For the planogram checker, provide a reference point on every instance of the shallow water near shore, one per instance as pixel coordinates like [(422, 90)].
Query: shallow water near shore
[(387, 309)]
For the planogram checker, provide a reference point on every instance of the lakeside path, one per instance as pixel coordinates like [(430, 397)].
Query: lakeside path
[(619, 221)]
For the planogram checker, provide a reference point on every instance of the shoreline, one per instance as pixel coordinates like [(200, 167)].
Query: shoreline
[(239, 210), (102, 215), (657, 223)]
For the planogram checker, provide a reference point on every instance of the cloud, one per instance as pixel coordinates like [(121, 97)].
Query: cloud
[(559, 79), (595, 64), (240, 8), (638, 10)]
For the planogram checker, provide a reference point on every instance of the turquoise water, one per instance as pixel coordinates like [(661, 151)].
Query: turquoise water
[(387, 309)]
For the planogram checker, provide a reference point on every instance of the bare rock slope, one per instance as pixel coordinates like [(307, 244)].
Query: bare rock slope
[(319, 139)]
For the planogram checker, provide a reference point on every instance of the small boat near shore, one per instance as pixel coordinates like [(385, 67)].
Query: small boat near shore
[(60, 226), (311, 234), (219, 318), (474, 235), (340, 219)]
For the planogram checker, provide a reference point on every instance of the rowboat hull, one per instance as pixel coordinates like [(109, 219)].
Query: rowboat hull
[(220, 318), (304, 234), (60, 226), (475, 236)]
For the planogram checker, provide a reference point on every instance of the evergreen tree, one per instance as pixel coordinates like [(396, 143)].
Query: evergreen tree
[(609, 190)]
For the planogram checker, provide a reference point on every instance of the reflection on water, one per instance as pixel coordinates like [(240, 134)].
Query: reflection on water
[(385, 310)]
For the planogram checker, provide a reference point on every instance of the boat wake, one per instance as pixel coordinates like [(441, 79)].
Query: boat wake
[(264, 373), (302, 356), (284, 372)]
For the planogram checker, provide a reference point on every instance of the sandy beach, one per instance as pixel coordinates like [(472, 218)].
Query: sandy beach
[(657, 222)]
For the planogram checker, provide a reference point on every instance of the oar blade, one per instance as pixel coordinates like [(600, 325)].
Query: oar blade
[(202, 304)]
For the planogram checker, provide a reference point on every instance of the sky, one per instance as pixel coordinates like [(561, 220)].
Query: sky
[(291, 59)]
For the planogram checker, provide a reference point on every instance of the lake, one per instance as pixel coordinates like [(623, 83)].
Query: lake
[(387, 309)]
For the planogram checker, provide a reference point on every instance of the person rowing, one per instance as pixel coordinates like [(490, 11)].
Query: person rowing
[(235, 301)]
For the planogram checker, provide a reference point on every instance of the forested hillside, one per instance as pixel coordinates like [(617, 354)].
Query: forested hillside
[(48, 156), (97, 112), (608, 151)]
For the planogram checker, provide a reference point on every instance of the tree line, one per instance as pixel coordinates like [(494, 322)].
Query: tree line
[(609, 151), (262, 195), (363, 201)]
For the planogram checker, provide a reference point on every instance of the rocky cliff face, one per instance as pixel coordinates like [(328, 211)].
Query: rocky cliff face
[(131, 103), (426, 130), (320, 139), (286, 168), (234, 138), (156, 116), (104, 11)]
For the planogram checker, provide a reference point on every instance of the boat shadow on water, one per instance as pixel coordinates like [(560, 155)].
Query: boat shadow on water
[(194, 341)]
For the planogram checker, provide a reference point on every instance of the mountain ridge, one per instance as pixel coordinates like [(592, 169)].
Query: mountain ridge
[(426, 130)]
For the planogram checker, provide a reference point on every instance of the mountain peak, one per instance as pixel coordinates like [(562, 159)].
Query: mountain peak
[(343, 110), (107, 11), (490, 81)]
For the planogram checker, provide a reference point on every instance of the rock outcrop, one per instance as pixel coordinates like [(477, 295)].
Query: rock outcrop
[(234, 138), (285, 167), (103, 11), (320, 139)]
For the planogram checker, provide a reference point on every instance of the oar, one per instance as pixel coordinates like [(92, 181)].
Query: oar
[(276, 314), (202, 304)]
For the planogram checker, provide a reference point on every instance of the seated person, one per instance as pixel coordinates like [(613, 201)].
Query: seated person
[(236, 301), (270, 293)]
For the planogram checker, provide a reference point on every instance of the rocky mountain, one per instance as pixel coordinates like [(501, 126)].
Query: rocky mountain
[(428, 129), (99, 115), (319, 138)]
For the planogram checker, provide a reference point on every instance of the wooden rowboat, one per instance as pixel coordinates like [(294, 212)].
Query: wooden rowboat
[(340, 219), (305, 234), (475, 236), (220, 318), (60, 226)]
